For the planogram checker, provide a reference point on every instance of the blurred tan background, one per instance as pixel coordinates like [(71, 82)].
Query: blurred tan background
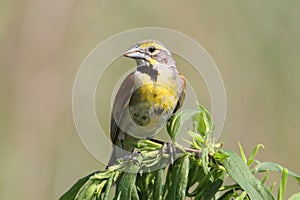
[(255, 44)]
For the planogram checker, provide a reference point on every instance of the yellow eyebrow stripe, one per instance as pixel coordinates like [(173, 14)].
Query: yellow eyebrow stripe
[(149, 44)]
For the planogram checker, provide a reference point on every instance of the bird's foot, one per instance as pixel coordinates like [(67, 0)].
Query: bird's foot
[(133, 157), (170, 149)]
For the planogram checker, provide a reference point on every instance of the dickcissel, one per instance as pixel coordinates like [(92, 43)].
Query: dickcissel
[(147, 98)]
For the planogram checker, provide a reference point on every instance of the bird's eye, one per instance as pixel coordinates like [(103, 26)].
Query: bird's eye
[(151, 49)]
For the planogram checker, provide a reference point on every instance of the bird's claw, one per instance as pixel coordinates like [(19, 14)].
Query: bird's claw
[(169, 149)]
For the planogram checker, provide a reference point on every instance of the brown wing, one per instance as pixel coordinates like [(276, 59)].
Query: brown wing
[(121, 101), (182, 95)]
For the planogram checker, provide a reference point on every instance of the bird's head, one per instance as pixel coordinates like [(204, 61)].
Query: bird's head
[(150, 52)]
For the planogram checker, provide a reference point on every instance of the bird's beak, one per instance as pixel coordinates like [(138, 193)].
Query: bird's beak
[(135, 53)]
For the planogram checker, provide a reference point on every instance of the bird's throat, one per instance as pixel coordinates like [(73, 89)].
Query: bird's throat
[(148, 70)]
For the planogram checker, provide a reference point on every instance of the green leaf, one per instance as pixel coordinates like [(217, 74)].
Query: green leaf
[(220, 156), (134, 194), (158, 184), (205, 181), (211, 190), (145, 184), (253, 154), (240, 172), (204, 159), (241, 196), (126, 188), (178, 184), (168, 182), (148, 145), (142, 185), (203, 127), (100, 189), (264, 179), (177, 120), (195, 172), (197, 182), (108, 186), (227, 195), (89, 189), (283, 182), (295, 196), (264, 166), (243, 155), (72, 192), (205, 123), (272, 187), (197, 140)]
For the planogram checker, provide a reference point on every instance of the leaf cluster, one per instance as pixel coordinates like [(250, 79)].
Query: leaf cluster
[(157, 170)]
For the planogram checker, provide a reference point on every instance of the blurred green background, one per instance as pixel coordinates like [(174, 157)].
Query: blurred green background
[(255, 44)]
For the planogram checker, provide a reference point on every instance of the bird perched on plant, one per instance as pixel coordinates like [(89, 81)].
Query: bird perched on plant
[(147, 98)]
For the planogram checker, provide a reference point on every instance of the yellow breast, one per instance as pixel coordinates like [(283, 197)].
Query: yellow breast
[(153, 102), (158, 94)]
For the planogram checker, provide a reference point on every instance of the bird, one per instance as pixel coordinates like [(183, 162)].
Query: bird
[(146, 99)]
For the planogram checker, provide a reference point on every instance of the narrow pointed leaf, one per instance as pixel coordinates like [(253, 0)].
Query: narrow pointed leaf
[(240, 172), (177, 189), (108, 186), (283, 182), (177, 120), (158, 184), (253, 154), (211, 190), (264, 166), (126, 184), (89, 190), (241, 196), (72, 192), (243, 155)]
